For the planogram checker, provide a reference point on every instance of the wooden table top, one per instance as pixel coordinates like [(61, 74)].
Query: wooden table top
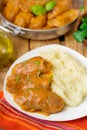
[(22, 46)]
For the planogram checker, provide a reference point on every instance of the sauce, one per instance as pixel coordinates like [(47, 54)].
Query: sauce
[(30, 84)]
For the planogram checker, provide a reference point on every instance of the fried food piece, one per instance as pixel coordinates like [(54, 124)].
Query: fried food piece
[(24, 5), (38, 22), (40, 99), (11, 10), (61, 7), (23, 19), (63, 19)]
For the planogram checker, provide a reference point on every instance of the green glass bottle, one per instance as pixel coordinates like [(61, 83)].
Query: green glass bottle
[(6, 49)]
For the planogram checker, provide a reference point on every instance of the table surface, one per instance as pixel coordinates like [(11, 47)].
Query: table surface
[(22, 46)]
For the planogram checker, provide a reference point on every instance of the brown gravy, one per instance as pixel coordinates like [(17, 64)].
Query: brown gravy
[(30, 85)]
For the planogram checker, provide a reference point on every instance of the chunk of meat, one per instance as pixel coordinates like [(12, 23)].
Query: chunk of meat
[(63, 19), (11, 10), (15, 83), (61, 7), (40, 100), (35, 72), (42, 81), (25, 5), (30, 83), (38, 22), (23, 19), (32, 65)]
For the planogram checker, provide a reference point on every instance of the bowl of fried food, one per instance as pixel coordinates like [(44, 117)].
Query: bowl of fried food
[(39, 20)]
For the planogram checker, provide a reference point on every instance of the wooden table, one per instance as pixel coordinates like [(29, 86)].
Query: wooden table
[(22, 46)]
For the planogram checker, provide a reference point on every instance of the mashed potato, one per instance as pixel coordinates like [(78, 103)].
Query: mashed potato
[(69, 76)]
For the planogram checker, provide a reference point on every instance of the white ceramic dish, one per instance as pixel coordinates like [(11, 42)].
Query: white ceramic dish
[(69, 113)]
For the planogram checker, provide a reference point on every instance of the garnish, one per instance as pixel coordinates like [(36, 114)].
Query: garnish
[(38, 74), (50, 5), (33, 89), (37, 62), (81, 33), (84, 19), (50, 79), (17, 79), (40, 10), (28, 78), (82, 7), (28, 89), (24, 63), (49, 99)]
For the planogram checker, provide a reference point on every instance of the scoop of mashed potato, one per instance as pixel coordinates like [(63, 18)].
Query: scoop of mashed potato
[(69, 76)]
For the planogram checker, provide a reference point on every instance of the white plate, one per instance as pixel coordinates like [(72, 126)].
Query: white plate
[(69, 113)]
